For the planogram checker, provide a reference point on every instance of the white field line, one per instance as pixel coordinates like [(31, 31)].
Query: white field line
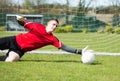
[(62, 52), (105, 53)]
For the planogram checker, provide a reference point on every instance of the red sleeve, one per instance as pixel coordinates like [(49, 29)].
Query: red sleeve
[(28, 25), (57, 43)]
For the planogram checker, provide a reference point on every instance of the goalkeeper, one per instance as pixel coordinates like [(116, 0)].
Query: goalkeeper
[(37, 37)]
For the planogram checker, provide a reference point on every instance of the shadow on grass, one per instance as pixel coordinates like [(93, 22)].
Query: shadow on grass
[(59, 61), (50, 61), (95, 63)]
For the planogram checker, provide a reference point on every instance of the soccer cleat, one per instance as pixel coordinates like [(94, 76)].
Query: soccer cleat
[(85, 49), (3, 58)]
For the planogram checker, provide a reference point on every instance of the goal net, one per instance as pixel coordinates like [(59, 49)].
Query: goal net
[(12, 24)]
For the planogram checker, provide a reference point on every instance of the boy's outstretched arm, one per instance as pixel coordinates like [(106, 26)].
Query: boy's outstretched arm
[(73, 50)]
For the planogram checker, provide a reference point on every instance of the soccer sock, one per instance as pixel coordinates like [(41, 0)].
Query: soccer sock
[(78, 51), (2, 58)]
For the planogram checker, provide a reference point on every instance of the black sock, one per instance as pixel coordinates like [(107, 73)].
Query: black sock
[(79, 52), (3, 58)]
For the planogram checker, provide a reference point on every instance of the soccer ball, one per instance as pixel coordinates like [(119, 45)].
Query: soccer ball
[(88, 57)]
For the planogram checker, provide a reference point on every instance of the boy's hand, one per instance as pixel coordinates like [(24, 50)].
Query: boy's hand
[(20, 18)]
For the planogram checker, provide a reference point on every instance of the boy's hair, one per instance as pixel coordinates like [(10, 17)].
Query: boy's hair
[(54, 20)]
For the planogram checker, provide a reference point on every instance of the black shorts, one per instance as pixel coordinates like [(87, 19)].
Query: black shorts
[(10, 44)]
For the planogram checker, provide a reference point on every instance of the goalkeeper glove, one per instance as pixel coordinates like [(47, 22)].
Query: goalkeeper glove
[(85, 49), (20, 18)]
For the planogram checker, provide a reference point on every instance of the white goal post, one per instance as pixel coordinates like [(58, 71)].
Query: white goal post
[(12, 24)]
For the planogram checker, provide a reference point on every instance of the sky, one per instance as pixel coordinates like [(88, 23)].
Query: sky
[(73, 2)]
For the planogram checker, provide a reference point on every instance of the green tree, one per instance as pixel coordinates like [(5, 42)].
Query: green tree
[(4, 3), (83, 7), (80, 18), (116, 16), (28, 4), (116, 20), (5, 7), (67, 11)]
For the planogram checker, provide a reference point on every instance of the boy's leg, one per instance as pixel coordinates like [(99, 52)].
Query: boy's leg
[(14, 52), (4, 43), (12, 57)]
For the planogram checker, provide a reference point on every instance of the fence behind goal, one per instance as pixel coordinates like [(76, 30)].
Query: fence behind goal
[(87, 16)]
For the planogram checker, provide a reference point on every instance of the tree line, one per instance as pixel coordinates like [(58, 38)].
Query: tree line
[(39, 6)]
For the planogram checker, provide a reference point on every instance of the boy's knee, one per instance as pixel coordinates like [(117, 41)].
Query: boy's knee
[(12, 57)]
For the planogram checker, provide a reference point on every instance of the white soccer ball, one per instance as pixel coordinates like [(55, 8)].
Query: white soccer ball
[(88, 57)]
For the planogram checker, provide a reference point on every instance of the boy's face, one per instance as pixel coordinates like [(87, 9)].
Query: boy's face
[(51, 26)]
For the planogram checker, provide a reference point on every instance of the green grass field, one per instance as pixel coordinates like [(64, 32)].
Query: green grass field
[(34, 67), (49, 67)]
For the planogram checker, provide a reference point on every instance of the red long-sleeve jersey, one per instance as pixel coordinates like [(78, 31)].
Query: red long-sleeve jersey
[(36, 37)]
